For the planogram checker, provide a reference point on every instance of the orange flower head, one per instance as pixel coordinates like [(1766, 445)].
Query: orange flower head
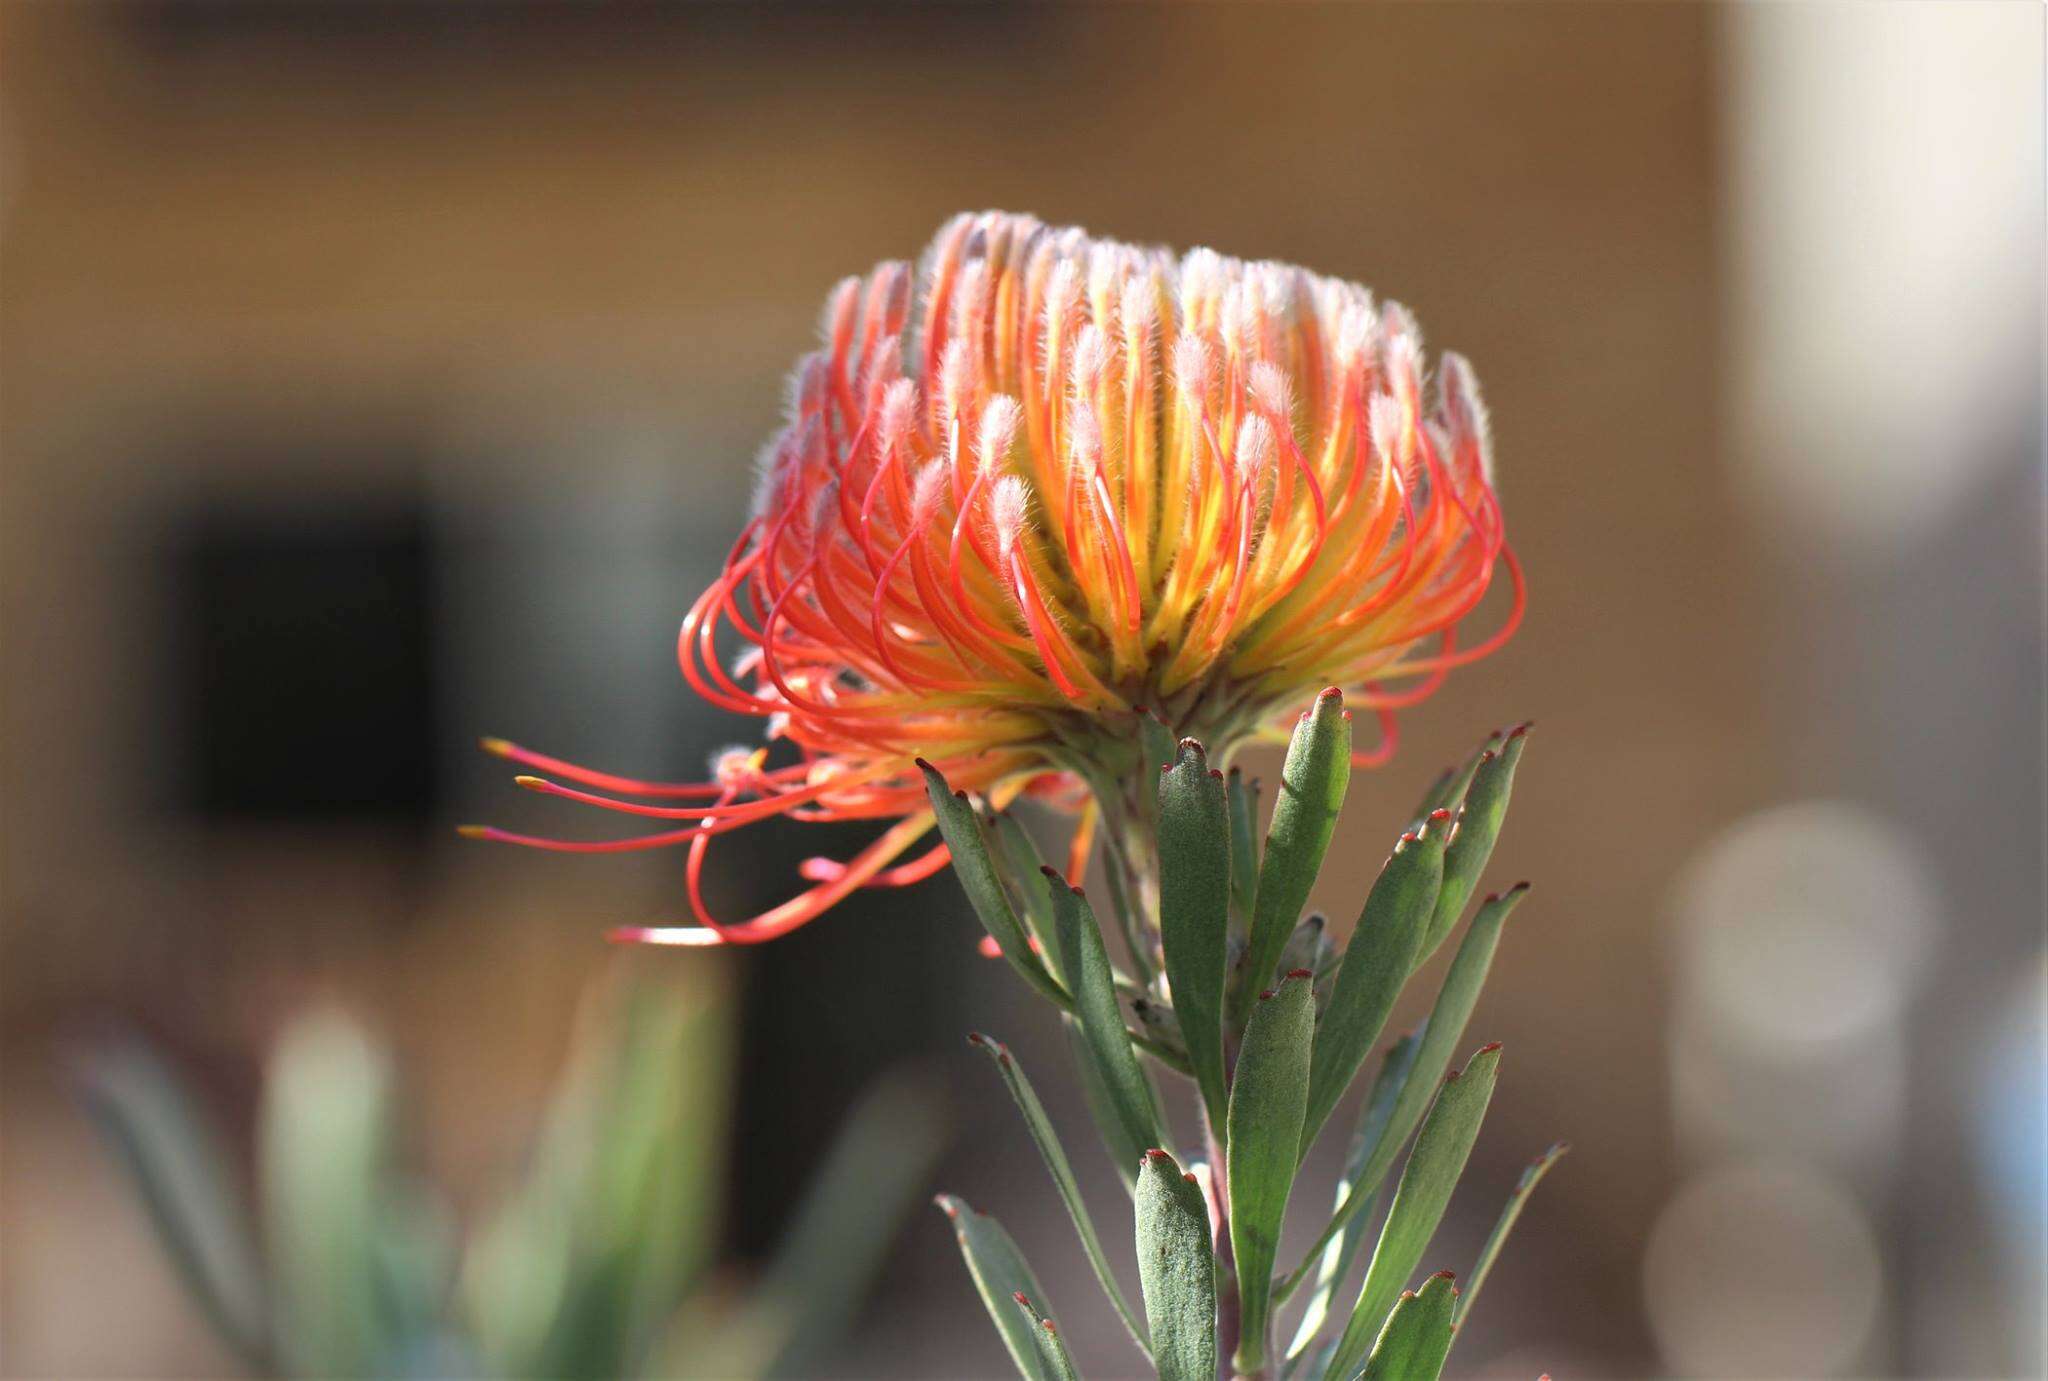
[(1046, 484)]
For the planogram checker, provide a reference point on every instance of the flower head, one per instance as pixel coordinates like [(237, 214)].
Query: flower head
[(1051, 482)]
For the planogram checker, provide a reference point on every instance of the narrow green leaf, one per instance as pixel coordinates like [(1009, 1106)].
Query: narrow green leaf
[(1267, 1100), (1048, 1143), (1478, 825), (1022, 866), (1417, 1338), (173, 1153), (1133, 1126), (1532, 1175), (1194, 911), (1376, 966), (1373, 1121), (975, 866), (1000, 1274), (325, 1140), (1045, 1334), (1426, 1184), (1308, 946), (1156, 745), (1244, 850), (847, 1219), (1312, 784), (1440, 1037), (1447, 792), (1177, 1268)]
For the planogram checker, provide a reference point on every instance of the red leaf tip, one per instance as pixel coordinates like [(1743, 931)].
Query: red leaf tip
[(1488, 1048), (1265, 995), (1301, 973)]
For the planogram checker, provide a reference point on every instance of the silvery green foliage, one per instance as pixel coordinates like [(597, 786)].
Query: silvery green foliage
[(1230, 986), (594, 1263)]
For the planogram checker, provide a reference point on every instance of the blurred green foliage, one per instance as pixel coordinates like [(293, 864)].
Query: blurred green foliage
[(598, 1262)]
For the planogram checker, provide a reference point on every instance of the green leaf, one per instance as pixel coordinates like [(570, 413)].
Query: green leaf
[(1447, 792), (1309, 946), (1156, 745), (1000, 1274), (1417, 1337), (973, 864), (1440, 1037), (1267, 1101), (1478, 825), (1375, 969), (1194, 911), (1426, 1184), (1048, 1143), (1022, 867), (325, 1139), (1312, 784), (1177, 1268), (847, 1219), (1052, 1349), (173, 1154), (1373, 1121), (1532, 1175), (1132, 1126), (1244, 850)]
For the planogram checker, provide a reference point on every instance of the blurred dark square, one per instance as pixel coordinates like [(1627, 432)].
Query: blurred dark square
[(303, 663)]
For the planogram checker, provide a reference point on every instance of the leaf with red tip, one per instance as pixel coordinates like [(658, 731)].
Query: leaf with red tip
[(1244, 851), (1000, 1274), (1312, 786), (1131, 1124), (1440, 1037), (1177, 1268), (1194, 911), (1418, 1334), (1484, 808), (975, 866), (1023, 868), (1267, 1100), (1045, 1334), (1432, 1173), (1375, 968), (1373, 1120), (1055, 1156)]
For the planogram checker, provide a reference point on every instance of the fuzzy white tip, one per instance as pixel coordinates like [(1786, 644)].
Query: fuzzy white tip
[(1191, 366), (729, 764), (1062, 291), (804, 393), (1388, 421), (927, 489), (840, 305), (999, 421), (1007, 505), (1091, 359), (1272, 390), (1358, 328), (1084, 439), (1201, 276), (1256, 446), (894, 417), (1464, 408), (1138, 305), (767, 474), (958, 373), (1397, 320)]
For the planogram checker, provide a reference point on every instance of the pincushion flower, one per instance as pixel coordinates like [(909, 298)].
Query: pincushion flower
[(1047, 484)]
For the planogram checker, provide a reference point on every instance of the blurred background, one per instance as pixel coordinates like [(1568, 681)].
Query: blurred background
[(373, 376)]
